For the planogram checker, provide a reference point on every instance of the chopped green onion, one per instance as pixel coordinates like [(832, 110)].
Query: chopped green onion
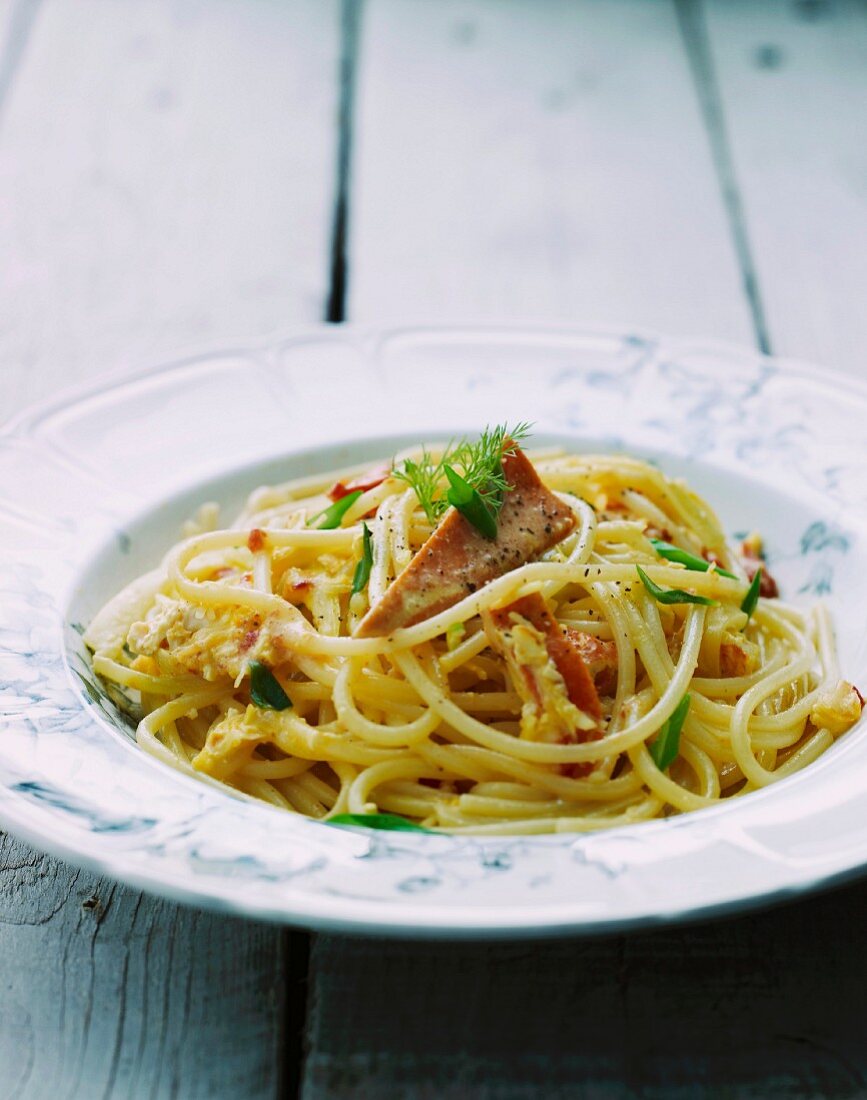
[(470, 504), (669, 595), (752, 596), (333, 516), (683, 557), (362, 570), (455, 635), (265, 689), (376, 821), (666, 744)]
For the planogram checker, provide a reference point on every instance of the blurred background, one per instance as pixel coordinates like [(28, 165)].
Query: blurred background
[(179, 174)]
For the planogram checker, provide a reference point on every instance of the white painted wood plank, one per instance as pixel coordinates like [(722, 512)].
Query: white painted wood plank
[(166, 176), (107, 992), (793, 81), (545, 161)]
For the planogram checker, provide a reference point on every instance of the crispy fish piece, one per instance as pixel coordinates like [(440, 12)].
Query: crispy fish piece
[(561, 704), (369, 480), (559, 675), (599, 657), (457, 559)]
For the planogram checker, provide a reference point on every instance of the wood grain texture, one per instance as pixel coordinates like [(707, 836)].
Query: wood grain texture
[(769, 1005), (166, 171), (542, 161), (107, 992), (794, 93), (166, 179)]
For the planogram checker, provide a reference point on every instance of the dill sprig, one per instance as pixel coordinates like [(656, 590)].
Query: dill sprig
[(424, 478), (480, 463)]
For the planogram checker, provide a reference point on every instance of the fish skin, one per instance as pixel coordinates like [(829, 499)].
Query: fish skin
[(369, 480), (562, 651), (599, 656), (560, 700)]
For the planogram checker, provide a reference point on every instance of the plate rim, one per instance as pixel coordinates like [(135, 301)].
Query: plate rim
[(147, 366), (412, 927), (450, 923)]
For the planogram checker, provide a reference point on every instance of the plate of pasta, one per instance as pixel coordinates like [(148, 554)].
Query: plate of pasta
[(439, 631)]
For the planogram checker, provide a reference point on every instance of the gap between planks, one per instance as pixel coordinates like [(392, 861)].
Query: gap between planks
[(350, 23), (21, 17), (690, 14), (107, 991)]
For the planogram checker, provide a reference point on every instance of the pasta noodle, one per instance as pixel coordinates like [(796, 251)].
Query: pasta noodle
[(615, 676)]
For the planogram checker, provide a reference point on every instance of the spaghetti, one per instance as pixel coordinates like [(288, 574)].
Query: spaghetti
[(611, 664)]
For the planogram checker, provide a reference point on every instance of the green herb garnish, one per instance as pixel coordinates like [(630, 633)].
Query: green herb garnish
[(752, 596), (332, 517), (669, 595), (666, 744), (479, 463), (683, 557), (424, 477), (362, 570), (455, 635), (482, 461), (393, 822), (470, 503), (265, 689)]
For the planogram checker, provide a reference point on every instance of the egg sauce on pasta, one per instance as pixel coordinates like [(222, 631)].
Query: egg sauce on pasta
[(433, 721)]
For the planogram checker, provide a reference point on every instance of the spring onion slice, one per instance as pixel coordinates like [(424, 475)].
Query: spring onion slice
[(265, 689), (752, 596), (362, 570), (683, 557), (333, 516), (666, 745), (670, 595), (468, 501), (377, 821)]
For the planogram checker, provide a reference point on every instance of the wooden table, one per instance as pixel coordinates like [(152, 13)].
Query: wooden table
[(179, 172)]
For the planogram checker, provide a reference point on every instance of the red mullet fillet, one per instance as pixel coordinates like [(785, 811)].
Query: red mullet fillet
[(457, 560)]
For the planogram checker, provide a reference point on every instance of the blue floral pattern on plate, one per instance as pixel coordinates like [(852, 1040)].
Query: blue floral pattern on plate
[(779, 446)]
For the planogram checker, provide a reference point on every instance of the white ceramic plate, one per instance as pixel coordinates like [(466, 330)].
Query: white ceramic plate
[(94, 486)]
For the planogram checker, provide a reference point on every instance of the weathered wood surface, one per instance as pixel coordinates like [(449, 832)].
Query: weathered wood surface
[(107, 992), (166, 180), (478, 138), (793, 90), (544, 161), (764, 1006), (166, 174)]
